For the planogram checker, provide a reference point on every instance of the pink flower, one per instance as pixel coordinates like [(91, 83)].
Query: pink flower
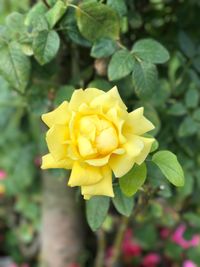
[(189, 263), (129, 247), (151, 260), (2, 174), (178, 238), (25, 265), (13, 265), (38, 161)]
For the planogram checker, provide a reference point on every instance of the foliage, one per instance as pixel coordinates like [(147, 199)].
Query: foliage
[(151, 52)]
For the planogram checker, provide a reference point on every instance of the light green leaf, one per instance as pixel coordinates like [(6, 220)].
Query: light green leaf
[(145, 79), (96, 20), (36, 11), (133, 180), (15, 66), (119, 6), (121, 64), (56, 13), (196, 115), (151, 51), (169, 166), (15, 23), (103, 48), (96, 211), (122, 203), (45, 46)]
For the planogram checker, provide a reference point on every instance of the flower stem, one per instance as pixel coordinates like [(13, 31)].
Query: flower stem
[(118, 241), (99, 261)]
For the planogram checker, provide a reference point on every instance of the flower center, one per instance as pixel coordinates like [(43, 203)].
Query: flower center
[(96, 136)]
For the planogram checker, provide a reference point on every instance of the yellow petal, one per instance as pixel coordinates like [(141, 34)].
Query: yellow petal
[(145, 151), (107, 141), (136, 123), (49, 162), (108, 100), (104, 187), (56, 141), (85, 147), (98, 161), (121, 164), (84, 174), (83, 96), (58, 116)]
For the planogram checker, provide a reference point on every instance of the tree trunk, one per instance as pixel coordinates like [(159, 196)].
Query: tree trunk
[(61, 223)]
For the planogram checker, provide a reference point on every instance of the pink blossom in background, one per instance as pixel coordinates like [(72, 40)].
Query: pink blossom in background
[(74, 265), (151, 260), (178, 238), (129, 247), (13, 265), (25, 265), (2, 174), (189, 263), (38, 161)]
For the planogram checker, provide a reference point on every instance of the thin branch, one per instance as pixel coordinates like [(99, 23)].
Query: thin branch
[(99, 261), (46, 3)]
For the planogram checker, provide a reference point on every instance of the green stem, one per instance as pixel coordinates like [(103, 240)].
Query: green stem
[(99, 261)]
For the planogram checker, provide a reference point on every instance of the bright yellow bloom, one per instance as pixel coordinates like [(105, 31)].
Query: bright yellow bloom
[(93, 135)]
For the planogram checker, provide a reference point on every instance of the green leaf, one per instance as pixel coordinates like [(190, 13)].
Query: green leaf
[(186, 44), (103, 48), (45, 46), (96, 20), (133, 180), (122, 203), (151, 51), (145, 79), (121, 65), (36, 11), (63, 94), (119, 6), (188, 127), (96, 211), (177, 109), (169, 166), (15, 23), (15, 66), (192, 98), (56, 13), (196, 115)]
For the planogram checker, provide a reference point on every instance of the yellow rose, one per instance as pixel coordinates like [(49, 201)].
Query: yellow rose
[(93, 135)]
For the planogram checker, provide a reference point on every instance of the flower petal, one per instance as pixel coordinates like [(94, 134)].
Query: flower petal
[(49, 162), (84, 174), (60, 115), (136, 123), (121, 164), (56, 141), (83, 96), (145, 151), (98, 161), (103, 187)]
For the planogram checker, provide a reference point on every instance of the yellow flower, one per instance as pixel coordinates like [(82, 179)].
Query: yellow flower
[(93, 135), (2, 189)]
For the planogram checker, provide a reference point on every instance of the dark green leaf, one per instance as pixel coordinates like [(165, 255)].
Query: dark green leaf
[(121, 65), (45, 46), (177, 109), (188, 127), (96, 20), (133, 180), (103, 48), (14, 66), (64, 94), (196, 115), (151, 51), (192, 98), (122, 203), (169, 166), (145, 78), (186, 44), (96, 211)]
